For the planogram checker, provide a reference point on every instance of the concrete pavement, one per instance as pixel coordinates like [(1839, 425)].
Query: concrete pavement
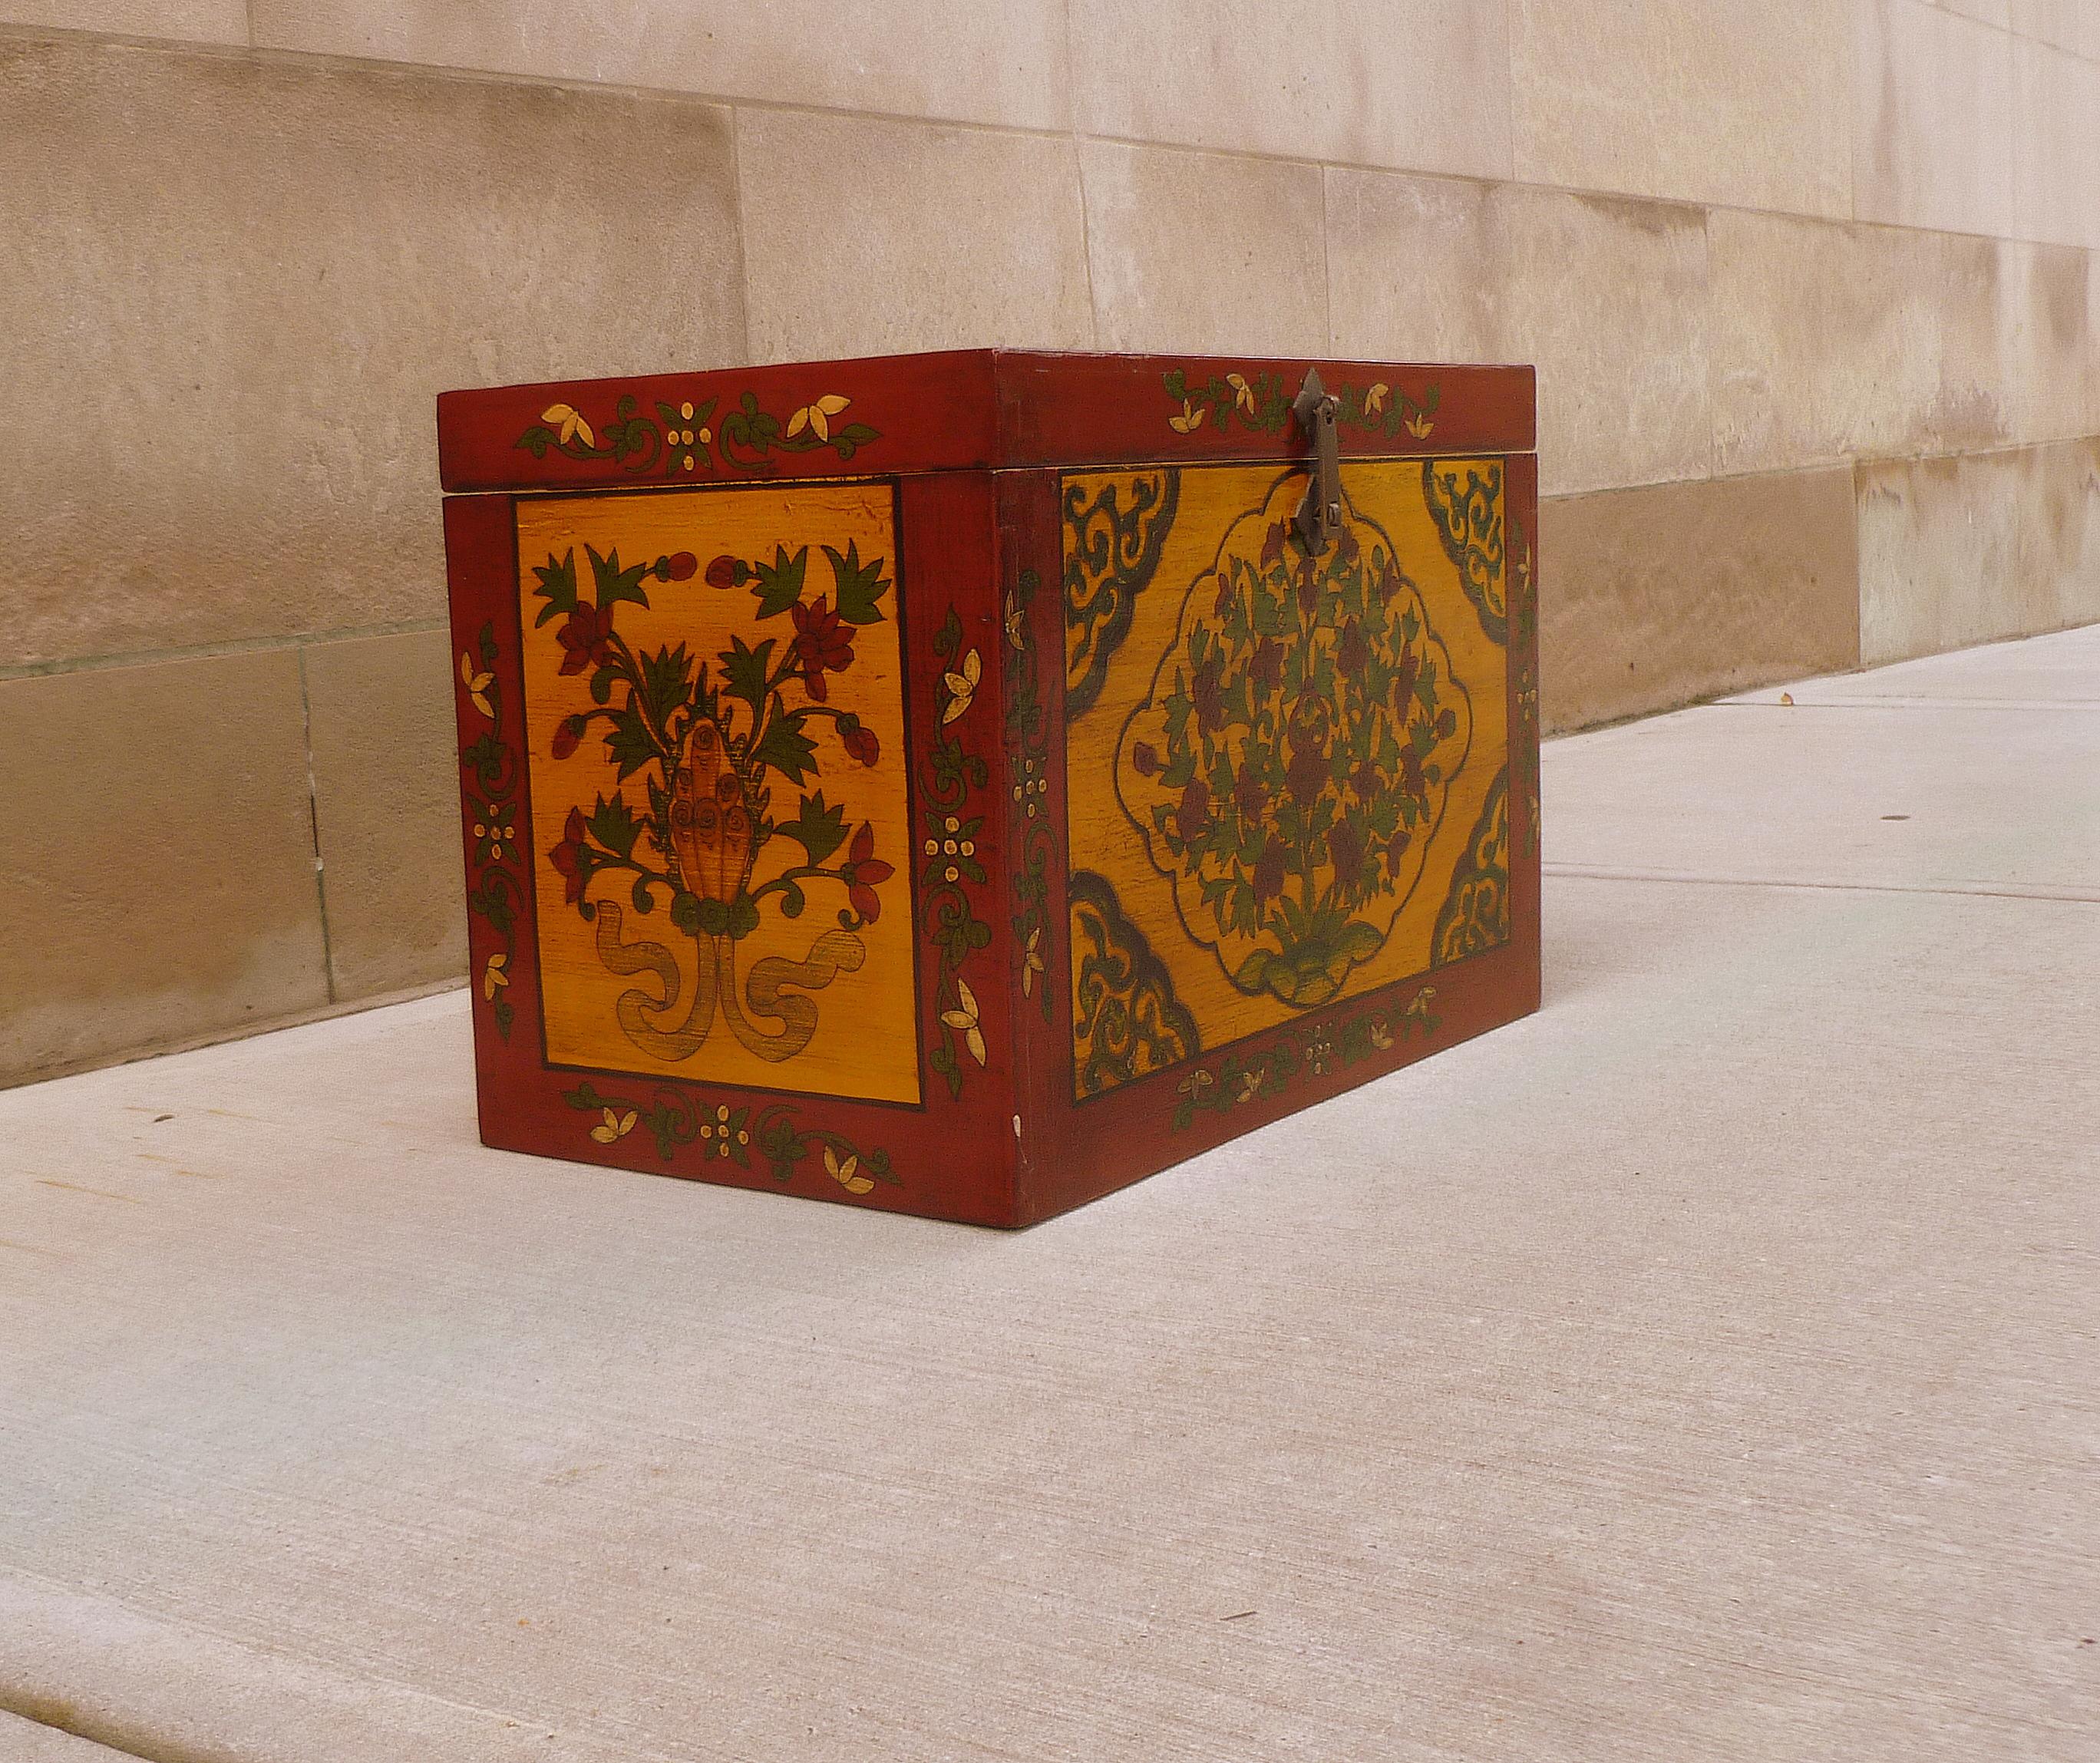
[(1707, 1368)]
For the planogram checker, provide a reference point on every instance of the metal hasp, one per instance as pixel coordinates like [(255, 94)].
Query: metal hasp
[(1319, 514)]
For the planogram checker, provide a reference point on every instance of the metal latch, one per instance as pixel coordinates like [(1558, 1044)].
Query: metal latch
[(1319, 514)]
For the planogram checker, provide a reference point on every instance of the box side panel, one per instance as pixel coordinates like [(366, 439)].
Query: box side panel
[(480, 569), (886, 415), (1524, 806), (1291, 795), (1080, 409), (1032, 681), (730, 857)]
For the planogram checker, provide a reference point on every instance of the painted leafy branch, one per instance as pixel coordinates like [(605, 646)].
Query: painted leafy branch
[(710, 743), (494, 890), (1262, 405), (1028, 758), (674, 1118), (949, 777), (1295, 1054), (687, 438)]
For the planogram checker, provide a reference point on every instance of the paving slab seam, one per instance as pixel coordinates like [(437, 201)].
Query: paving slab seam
[(1904, 703), (1977, 891), (35, 1711)]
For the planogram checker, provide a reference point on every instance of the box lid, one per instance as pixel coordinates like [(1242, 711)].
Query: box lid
[(959, 410)]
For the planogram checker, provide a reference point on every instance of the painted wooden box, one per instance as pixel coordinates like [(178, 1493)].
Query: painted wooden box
[(965, 783)]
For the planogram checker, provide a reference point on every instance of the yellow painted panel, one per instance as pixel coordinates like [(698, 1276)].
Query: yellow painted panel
[(1273, 775), (822, 1002)]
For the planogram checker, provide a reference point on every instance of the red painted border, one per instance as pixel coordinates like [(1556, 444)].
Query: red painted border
[(962, 410)]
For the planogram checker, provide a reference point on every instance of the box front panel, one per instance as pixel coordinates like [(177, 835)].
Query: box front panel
[(731, 842), (1287, 775), (709, 781)]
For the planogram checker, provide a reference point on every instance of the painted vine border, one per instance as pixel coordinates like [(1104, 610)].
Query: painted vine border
[(1524, 618), (1028, 763), (949, 777), (1262, 406), (1296, 1053), (496, 890), (684, 438), (676, 1119)]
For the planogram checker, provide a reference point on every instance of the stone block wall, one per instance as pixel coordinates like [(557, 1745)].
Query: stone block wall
[(1811, 286)]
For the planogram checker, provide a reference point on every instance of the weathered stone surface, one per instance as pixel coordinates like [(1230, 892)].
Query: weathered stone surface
[(250, 280), (386, 805), (197, 21), (1419, 84), (865, 236), (1832, 341), (1651, 598), (957, 59), (1606, 297), (1961, 550), (1204, 252), (1933, 124), (2056, 144), (159, 870), (1749, 105)]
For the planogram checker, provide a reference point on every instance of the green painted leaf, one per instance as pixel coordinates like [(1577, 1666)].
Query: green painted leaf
[(629, 742), (786, 749), (666, 678), (746, 671), (779, 584), (858, 588), (820, 829), (558, 586), (616, 584), (614, 826)]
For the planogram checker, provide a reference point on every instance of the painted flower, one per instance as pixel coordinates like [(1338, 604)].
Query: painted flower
[(1420, 427), (1390, 581), (1374, 399), (823, 643), (1250, 795), (567, 732), (862, 871), (1419, 1005), (568, 856), (1190, 419), (1307, 769), (583, 639), (1396, 853), (1242, 393), (859, 740), (1272, 547), (493, 978), (1192, 819), (477, 680), (817, 417), (614, 1127), (1268, 872), (962, 685), (1145, 758), (1352, 652), (1345, 847), (1016, 623), (1195, 1084), (727, 572), (847, 1174), (1031, 961), (1252, 1083), (1266, 668), (679, 567), (1207, 692), (569, 420), (963, 1019), (1318, 1052), (1380, 1034), (1224, 603)]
